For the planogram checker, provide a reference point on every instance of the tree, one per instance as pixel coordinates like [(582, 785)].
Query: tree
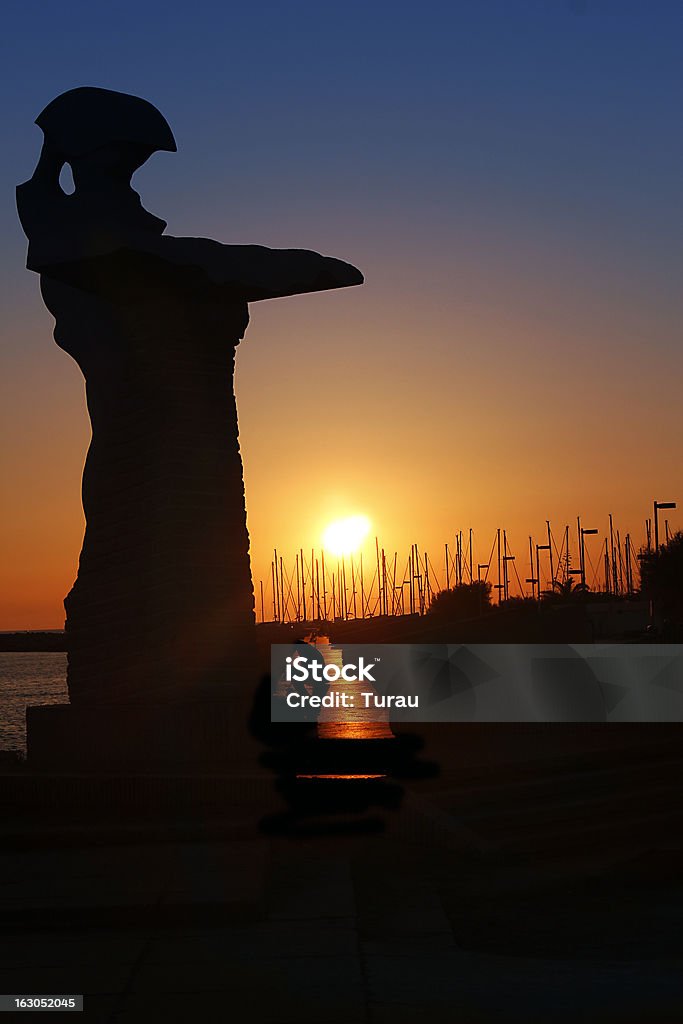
[(518, 603), (464, 601), (565, 590), (661, 577)]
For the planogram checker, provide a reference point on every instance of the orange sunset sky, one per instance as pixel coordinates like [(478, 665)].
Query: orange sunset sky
[(515, 354)]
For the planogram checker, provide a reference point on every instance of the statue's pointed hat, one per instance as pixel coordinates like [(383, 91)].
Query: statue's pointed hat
[(84, 119)]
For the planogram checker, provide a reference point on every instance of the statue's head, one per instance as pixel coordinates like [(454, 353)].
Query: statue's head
[(104, 133)]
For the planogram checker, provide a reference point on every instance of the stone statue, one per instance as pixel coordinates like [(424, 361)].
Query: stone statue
[(163, 606)]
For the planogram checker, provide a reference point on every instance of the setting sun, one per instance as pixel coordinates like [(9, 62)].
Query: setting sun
[(345, 536)]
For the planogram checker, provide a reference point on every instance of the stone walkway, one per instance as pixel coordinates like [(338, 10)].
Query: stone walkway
[(521, 899)]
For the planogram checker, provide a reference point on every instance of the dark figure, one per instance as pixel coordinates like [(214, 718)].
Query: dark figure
[(163, 605)]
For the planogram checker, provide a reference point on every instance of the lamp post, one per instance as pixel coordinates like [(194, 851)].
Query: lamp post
[(506, 558), (584, 533), (541, 547), (657, 506), (506, 582), (532, 579)]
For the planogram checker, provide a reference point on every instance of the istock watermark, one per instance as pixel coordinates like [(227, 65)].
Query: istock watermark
[(302, 669), (477, 682)]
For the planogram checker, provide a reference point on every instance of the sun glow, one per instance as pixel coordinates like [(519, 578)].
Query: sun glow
[(345, 536)]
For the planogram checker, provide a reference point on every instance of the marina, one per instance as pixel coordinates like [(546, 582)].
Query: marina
[(317, 587)]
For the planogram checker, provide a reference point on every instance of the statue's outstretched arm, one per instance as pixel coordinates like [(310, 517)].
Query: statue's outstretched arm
[(257, 272)]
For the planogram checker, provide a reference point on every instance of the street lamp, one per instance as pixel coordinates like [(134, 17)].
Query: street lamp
[(541, 547), (532, 579), (480, 566), (657, 506), (506, 559)]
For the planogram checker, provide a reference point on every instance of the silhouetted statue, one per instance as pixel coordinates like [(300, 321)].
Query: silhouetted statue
[(163, 605)]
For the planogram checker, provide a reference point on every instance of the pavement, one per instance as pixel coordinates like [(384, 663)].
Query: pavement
[(542, 893)]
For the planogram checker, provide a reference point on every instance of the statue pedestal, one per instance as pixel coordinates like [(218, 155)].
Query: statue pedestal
[(166, 739)]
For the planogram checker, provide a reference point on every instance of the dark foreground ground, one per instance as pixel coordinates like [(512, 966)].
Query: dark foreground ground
[(530, 881)]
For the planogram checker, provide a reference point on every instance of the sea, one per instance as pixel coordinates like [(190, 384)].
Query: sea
[(28, 678), (40, 678)]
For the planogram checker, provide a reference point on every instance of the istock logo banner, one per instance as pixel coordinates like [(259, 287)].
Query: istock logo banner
[(301, 670), (477, 682)]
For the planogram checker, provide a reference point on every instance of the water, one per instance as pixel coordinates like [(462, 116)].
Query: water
[(40, 678), (25, 678)]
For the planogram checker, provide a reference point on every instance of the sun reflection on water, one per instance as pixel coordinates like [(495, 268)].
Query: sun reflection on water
[(361, 722)]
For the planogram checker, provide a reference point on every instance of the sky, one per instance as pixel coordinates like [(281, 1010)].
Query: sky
[(507, 175)]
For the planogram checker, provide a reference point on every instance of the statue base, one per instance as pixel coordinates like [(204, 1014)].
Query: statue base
[(169, 739)]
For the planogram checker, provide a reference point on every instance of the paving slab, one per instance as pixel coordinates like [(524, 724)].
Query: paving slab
[(93, 887), (309, 881), (283, 990), (270, 939)]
